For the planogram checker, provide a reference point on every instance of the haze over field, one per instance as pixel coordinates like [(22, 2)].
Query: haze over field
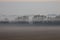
[(28, 7)]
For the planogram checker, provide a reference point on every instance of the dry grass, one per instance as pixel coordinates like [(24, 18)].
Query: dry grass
[(30, 33), (30, 36)]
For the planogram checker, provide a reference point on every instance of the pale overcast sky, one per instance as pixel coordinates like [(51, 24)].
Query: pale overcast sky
[(26, 7), (27, 0)]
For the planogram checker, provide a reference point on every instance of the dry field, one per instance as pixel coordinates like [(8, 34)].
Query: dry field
[(29, 33)]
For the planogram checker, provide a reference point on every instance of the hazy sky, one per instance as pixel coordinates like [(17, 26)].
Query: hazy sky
[(26, 7), (27, 0)]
